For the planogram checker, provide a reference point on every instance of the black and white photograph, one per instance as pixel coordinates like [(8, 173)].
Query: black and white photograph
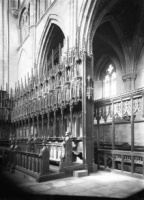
[(71, 99)]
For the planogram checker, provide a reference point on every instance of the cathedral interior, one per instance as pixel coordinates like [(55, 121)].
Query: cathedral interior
[(71, 88)]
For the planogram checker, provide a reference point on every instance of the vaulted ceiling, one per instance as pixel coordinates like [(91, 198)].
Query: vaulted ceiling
[(121, 32)]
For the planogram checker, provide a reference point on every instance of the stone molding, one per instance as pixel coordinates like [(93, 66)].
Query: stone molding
[(130, 76)]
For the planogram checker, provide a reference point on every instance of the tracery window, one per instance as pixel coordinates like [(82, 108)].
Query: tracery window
[(109, 82), (24, 24)]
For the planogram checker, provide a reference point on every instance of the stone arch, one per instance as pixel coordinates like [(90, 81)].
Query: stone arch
[(139, 70), (124, 56), (20, 15), (23, 7), (24, 22), (117, 51), (91, 16), (100, 67), (46, 35)]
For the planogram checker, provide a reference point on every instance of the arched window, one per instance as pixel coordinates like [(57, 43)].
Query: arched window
[(109, 82), (24, 24)]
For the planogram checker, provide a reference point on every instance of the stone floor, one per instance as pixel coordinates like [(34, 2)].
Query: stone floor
[(96, 185)]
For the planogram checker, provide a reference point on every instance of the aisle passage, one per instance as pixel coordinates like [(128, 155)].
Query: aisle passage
[(101, 184)]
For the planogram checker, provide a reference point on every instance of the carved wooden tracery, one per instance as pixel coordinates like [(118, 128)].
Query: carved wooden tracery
[(60, 87)]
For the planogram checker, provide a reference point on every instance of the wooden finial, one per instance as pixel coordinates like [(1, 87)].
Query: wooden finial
[(22, 90), (15, 91), (28, 82)]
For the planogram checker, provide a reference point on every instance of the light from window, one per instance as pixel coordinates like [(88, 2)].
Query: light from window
[(113, 84), (110, 82), (107, 86)]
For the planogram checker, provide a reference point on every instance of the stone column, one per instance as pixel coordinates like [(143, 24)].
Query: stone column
[(129, 80), (87, 113)]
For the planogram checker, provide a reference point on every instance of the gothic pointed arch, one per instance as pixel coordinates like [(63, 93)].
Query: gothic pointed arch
[(54, 28), (106, 77), (24, 21)]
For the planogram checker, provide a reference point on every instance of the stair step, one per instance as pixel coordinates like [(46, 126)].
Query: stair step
[(80, 173)]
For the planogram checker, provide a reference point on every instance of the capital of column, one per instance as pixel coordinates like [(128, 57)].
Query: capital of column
[(130, 76)]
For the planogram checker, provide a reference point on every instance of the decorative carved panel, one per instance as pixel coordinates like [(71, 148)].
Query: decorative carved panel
[(127, 110)]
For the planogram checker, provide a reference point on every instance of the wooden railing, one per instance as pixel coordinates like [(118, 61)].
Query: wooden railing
[(123, 160), (32, 163), (33, 156), (56, 149), (4, 151)]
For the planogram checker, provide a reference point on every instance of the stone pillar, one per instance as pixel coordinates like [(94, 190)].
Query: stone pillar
[(88, 113), (129, 80)]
